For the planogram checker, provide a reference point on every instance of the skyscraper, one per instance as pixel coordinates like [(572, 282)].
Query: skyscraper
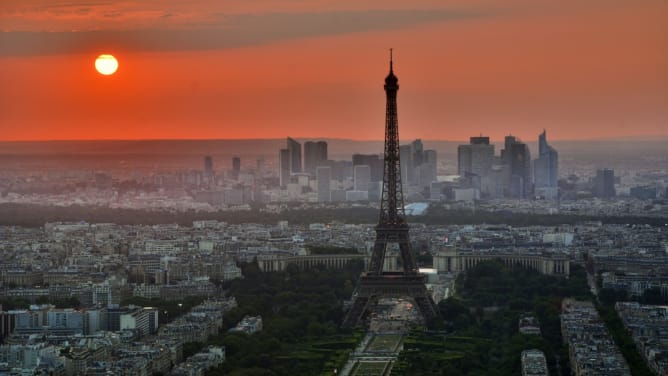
[(236, 167), (476, 158), (474, 162), (258, 195), (315, 153), (361, 177), (418, 152), (546, 168), (428, 169), (517, 156), (374, 162), (604, 183), (407, 171), (208, 166), (546, 165), (284, 167), (295, 150)]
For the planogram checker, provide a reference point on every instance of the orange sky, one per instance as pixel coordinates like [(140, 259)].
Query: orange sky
[(269, 69)]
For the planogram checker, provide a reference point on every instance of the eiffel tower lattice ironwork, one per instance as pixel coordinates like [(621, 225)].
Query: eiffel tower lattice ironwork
[(392, 228)]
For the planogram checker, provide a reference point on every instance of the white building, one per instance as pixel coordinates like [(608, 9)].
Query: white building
[(145, 320)]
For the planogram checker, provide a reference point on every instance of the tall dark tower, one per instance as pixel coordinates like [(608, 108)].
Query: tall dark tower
[(391, 228), (236, 167)]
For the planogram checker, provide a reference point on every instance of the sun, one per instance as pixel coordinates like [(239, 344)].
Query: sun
[(106, 64)]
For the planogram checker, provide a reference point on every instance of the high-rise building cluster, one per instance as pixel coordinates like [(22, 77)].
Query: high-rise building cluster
[(509, 174), (305, 172), (418, 166), (309, 174), (343, 180)]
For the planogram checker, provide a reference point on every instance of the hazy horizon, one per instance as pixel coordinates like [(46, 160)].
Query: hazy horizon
[(631, 137), (115, 154)]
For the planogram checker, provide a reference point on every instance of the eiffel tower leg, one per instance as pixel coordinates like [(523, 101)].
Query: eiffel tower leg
[(410, 267), (427, 307), (378, 255), (356, 311)]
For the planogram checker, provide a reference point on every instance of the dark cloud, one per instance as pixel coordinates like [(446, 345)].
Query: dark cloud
[(232, 31)]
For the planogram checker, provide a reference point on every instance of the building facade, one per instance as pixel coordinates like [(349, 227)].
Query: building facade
[(604, 183), (295, 153), (456, 261), (546, 168), (315, 153)]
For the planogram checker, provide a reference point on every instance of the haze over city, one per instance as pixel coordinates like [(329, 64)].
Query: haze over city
[(264, 69)]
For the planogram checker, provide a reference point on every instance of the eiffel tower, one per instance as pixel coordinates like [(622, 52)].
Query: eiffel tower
[(392, 228)]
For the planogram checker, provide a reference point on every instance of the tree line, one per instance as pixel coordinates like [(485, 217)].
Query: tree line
[(34, 215)]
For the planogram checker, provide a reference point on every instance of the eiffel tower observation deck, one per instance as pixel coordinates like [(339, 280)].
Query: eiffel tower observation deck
[(392, 228)]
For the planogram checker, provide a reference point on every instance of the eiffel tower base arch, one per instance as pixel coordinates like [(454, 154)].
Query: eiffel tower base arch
[(390, 285)]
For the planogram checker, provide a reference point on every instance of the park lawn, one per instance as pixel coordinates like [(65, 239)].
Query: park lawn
[(388, 343), (369, 368)]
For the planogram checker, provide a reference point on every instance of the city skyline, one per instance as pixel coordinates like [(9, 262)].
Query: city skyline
[(123, 257), (264, 70)]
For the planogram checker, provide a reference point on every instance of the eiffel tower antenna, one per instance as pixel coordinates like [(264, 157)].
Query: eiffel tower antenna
[(390, 60)]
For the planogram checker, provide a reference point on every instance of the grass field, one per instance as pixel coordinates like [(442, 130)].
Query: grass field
[(384, 343), (369, 368)]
